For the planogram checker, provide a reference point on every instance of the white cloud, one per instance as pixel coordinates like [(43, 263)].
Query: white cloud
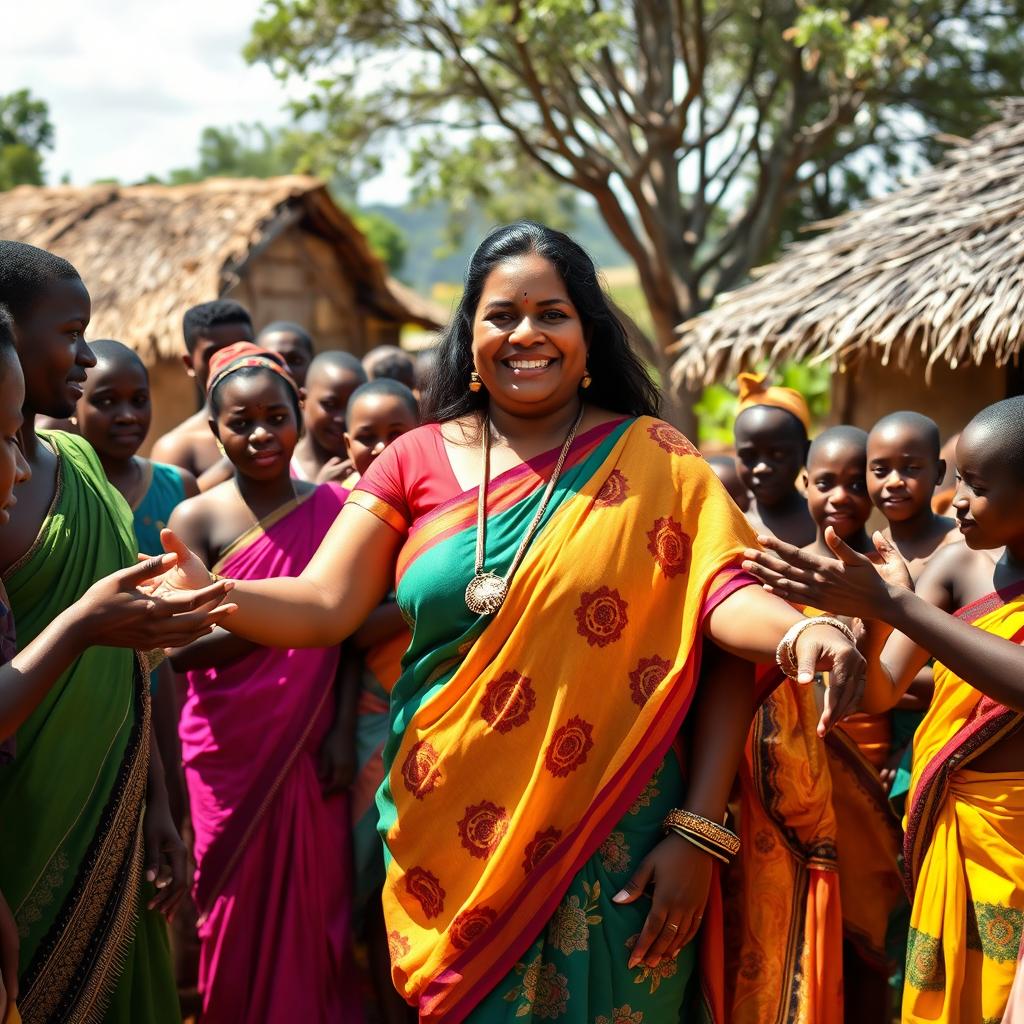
[(132, 85)]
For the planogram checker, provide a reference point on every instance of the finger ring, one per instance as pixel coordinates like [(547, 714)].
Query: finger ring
[(674, 927)]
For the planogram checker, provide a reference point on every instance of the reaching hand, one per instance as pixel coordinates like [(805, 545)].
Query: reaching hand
[(850, 584), (121, 610), (824, 649), (187, 572)]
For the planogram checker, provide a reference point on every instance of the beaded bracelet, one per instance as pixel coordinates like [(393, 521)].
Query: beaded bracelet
[(704, 831), (785, 653)]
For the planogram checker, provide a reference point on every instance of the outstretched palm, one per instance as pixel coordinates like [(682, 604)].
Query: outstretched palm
[(188, 573), (849, 584)]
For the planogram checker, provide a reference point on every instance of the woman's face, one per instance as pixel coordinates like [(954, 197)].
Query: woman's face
[(528, 341), (13, 467)]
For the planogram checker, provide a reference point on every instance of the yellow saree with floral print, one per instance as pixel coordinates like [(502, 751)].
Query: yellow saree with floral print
[(530, 760)]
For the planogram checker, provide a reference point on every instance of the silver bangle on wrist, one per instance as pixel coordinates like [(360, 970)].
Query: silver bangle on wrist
[(785, 653)]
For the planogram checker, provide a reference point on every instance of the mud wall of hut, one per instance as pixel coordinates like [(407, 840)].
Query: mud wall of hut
[(868, 390), (298, 277)]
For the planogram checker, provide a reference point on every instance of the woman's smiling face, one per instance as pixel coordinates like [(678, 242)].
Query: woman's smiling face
[(528, 341)]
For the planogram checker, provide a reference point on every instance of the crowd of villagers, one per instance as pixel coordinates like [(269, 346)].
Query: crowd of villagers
[(478, 694)]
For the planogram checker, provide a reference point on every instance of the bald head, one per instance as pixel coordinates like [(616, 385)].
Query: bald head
[(998, 430), (909, 426), (835, 439), (334, 363), (116, 354), (391, 362)]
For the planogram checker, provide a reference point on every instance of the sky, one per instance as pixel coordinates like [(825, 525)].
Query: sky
[(131, 85)]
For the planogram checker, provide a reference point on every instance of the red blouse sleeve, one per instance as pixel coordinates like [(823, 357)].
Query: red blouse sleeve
[(382, 490)]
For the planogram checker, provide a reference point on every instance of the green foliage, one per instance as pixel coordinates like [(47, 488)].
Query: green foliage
[(385, 237), (25, 131)]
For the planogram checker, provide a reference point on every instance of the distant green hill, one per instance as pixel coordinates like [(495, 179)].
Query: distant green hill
[(424, 229)]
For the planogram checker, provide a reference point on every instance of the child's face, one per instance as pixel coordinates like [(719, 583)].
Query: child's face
[(13, 467), (770, 452), (989, 498), (837, 493), (115, 411), (197, 362), (293, 350), (902, 472), (374, 421), (52, 350), (327, 396), (257, 424)]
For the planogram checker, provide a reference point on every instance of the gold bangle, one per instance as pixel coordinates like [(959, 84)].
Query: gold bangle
[(704, 829), (694, 841), (785, 653)]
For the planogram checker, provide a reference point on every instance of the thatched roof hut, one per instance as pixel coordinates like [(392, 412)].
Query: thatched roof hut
[(280, 246), (916, 298)]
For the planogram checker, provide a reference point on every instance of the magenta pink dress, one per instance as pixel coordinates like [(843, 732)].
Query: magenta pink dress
[(273, 881)]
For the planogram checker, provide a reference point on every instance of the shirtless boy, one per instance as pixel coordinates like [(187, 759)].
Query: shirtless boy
[(208, 328), (904, 468)]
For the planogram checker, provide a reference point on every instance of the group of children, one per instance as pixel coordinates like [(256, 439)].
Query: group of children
[(267, 760), (273, 775), (817, 897)]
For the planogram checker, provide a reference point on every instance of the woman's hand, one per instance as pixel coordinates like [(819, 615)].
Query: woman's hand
[(187, 572), (849, 584), (121, 611), (337, 768), (681, 875), (822, 648), (166, 858), (9, 949)]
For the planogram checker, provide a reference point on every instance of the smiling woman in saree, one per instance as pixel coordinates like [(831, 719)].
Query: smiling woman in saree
[(559, 757)]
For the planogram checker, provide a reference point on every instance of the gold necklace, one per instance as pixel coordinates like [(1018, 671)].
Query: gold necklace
[(487, 590)]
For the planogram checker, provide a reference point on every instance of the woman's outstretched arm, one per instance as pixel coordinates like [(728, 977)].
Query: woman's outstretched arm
[(350, 574)]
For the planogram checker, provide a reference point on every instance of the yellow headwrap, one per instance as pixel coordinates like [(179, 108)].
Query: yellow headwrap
[(753, 392)]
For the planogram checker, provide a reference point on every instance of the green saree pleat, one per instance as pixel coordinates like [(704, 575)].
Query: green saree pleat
[(72, 799), (575, 971)]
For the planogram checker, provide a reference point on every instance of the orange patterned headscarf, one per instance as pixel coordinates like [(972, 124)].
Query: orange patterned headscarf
[(242, 354), (753, 392)]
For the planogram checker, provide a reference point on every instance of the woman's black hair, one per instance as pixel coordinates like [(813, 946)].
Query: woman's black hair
[(252, 371), (621, 383)]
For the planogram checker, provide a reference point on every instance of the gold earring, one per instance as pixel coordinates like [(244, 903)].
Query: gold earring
[(475, 382), (587, 380)]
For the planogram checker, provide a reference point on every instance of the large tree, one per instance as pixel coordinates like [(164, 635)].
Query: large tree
[(25, 131), (697, 126)]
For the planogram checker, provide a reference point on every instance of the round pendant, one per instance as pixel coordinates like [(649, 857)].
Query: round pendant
[(486, 593)]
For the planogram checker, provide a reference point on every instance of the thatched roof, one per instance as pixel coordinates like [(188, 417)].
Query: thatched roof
[(148, 252), (936, 268)]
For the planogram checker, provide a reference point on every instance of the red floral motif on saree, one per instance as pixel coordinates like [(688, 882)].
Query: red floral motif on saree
[(670, 546), (425, 887), (469, 925), (666, 436), (398, 946), (539, 847), (613, 491), (482, 827), (569, 747), (646, 678), (601, 617), (508, 701), (419, 771)]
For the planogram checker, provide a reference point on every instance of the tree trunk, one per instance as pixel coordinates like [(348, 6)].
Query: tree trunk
[(676, 406)]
